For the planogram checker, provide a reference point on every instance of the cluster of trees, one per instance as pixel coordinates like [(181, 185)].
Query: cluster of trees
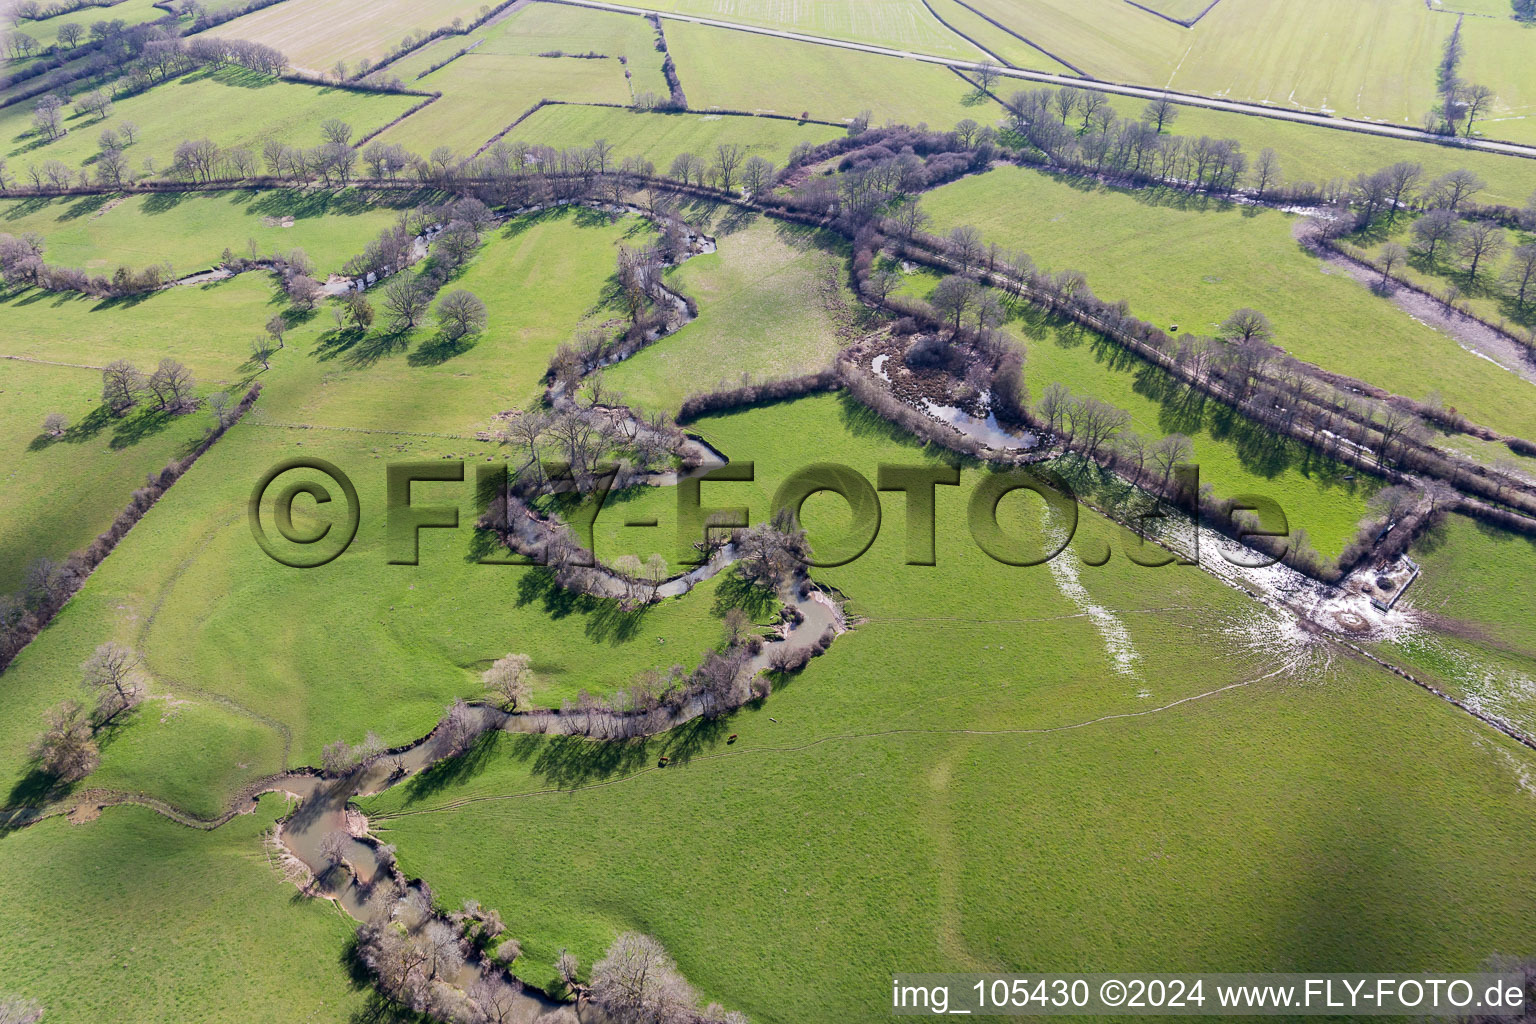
[(1079, 129), (170, 385), (68, 749), (637, 982), (22, 265)]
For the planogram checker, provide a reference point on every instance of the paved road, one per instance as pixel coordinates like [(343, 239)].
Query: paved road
[(1143, 92)]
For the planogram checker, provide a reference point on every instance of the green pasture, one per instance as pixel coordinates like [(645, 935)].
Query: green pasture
[(208, 327), (660, 137), (1373, 59), (231, 106), (742, 71), (542, 277), (1489, 295), (185, 925), (871, 790), (1498, 55), (484, 93), (558, 28), (1190, 261), (1106, 39), (762, 314), (1320, 496), (1005, 48), (191, 230), (46, 31), (57, 494), (898, 24)]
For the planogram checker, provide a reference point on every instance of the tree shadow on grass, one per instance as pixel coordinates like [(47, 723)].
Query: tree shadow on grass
[(32, 792), (735, 592), (163, 202), (140, 425), (453, 771), (27, 207), (605, 620), (85, 206), (568, 762), (439, 349)]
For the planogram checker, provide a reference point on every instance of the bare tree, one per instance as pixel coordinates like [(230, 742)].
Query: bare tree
[(111, 673), (334, 129), (1266, 171), (569, 968), (332, 849), (121, 385), (1247, 325), (171, 383), (1521, 275), (728, 157), (511, 679), (1392, 255), (1435, 228), (461, 313), (1453, 189), (636, 982), (66, 748), (954, 297), (1482, 240), (1169, 452), (406, 300), (55, 424), (1159, 113), (986, 74)]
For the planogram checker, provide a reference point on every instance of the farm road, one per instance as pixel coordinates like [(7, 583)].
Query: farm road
[(1142, 92)]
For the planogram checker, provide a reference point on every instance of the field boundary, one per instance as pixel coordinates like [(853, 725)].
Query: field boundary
[(1024, 39), (1190, 22), (940, 19)]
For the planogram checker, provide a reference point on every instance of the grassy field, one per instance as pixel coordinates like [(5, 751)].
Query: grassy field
[(660, 137), (126, 870), (1184, 10), (315, 34), (1319, 496), (46, 31), (231, 107), (191, 230), (45, 511), (857, 826), (761, 313), (1488, 296), (1374, 59), (740, 71), (243, 686), (1309, 153), (542, 278), (547, 27), (483, 93), (1498, 55), (1107, 39), (899, 24), (1185, 261), (208, 327)]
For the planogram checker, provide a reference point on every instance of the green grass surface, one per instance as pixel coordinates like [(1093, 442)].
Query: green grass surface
[(761, 313), (230, 106), (191, 230), (46, 31), (543, 278), (483, 93), (661, 137), (1320, 496), (1374, 59), (241, 946), (545, 28), (856, 826), (208, 327), (1183, 9), (1316, 154), (1187, 261), (315, 34), (56, 495), (1489, 296), (1107, 39), (899, 24), (741, 71), (1498, 55)]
